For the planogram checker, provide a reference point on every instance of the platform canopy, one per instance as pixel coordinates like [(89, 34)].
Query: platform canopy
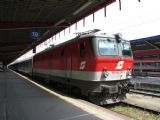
[(21, 19), (151, 43)]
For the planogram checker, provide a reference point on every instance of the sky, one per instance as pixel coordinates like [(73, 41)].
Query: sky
[(135, 20)]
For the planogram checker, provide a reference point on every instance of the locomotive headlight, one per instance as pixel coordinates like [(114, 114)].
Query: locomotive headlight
[(128, 74), (105, 73)]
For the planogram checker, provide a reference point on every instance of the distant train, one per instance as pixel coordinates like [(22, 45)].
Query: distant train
[(95, 65), (147, 64), (147, 68), (146, 55)]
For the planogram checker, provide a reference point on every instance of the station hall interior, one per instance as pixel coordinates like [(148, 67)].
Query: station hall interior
[(69, 59)]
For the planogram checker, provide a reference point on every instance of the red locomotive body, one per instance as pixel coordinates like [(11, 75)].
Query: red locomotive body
[(97, 66)]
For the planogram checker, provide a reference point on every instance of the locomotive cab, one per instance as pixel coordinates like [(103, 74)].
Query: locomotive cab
[(113, 67)]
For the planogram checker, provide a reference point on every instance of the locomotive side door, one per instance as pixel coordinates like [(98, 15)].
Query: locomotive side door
[(68, 62)]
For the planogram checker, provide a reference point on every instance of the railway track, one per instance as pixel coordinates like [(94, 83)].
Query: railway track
[(146, 100), (142, 108), (141, 105), (145, 92), (134, 111)]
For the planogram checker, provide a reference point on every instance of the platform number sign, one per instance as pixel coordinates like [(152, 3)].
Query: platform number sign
[(35, 34)]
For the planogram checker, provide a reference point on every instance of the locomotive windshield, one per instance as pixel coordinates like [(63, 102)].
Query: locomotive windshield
[(107, 46), (126, 49)]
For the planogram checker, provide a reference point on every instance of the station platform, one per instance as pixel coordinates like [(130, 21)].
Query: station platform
[(20, 99), (146, 83)]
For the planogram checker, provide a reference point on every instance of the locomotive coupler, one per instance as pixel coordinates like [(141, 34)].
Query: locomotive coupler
[(123, 88)]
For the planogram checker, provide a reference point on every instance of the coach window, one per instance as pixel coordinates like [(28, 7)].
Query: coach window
[(82, 50)]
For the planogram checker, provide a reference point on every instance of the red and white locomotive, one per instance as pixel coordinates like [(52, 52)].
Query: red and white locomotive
[(95, 65)]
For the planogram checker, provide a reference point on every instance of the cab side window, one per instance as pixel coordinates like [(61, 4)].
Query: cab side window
[(82, 50)]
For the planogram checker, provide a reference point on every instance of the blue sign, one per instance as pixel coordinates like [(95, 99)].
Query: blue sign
[(35, 34)]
